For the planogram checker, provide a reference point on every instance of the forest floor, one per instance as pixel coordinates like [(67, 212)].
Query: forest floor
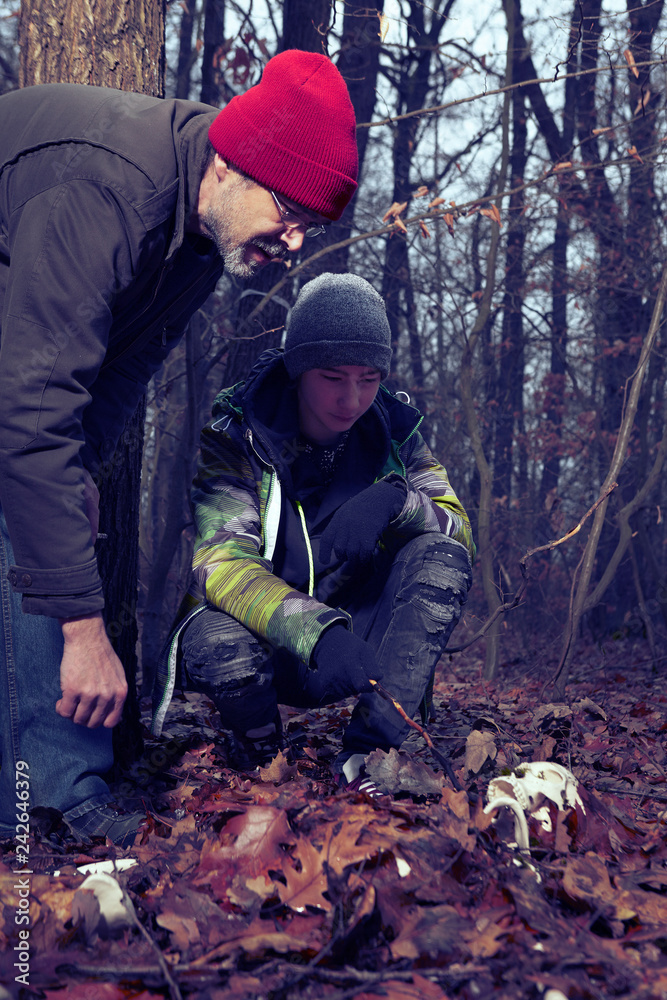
[(279, 886)]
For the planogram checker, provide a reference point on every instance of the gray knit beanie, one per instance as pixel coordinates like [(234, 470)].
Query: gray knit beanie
[(337, 319)]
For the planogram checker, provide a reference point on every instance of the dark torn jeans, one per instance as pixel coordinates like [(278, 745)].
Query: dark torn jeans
[(406, 612)]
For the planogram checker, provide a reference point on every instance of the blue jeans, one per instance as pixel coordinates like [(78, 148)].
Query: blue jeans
[(406, 612), (64, 760)]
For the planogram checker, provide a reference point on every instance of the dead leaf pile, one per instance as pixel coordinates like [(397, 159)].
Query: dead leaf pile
[(278, 885)]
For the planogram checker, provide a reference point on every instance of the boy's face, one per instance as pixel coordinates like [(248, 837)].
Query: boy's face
[(331, 400)]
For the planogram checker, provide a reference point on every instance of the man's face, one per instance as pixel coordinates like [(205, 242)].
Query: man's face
[(331, 400), (245, 224)]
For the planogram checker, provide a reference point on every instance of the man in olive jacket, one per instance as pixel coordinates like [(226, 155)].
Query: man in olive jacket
[(117, 214)]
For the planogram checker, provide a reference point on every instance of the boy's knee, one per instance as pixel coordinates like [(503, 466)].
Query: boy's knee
[(221, 652), (442, 579)]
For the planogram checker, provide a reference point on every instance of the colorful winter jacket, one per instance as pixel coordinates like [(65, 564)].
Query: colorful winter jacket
[(260, 509)]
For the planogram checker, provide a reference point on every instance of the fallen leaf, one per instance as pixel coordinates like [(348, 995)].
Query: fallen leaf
[(393, 989), (484, 939), (279, 770), (395, 773), (184, 931), (480, 747)]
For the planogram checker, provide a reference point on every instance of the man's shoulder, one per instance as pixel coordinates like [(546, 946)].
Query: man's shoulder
[(128, 140)]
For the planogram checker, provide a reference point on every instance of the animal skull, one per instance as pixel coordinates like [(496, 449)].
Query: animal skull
[(527, 791)]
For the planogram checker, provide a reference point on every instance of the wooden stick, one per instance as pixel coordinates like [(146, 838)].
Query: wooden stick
[(447, 767)]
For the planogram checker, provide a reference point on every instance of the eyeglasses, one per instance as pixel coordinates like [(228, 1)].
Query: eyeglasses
[(292, 221)]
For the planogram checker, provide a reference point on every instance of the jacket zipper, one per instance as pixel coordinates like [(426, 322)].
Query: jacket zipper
[(302, 517)]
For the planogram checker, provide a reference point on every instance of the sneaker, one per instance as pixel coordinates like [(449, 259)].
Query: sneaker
[(107, 821), (256, 747), (354, 778)]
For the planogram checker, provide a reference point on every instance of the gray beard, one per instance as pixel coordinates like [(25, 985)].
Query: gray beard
[(233, 254)]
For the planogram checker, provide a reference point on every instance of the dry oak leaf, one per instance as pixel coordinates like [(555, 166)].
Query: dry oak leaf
[(338, 845), (304, 886), (490, 926), (587, 879), (557, 711), (184, 930), (394, 772), (259, 937), (244, 892), (480, 747), (279, 770), (253, 840), (435, 932)]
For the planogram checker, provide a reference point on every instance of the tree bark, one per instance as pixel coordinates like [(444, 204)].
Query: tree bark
[(108, 43), (358, 62), (212, 85), (185, 52), (511, 354)]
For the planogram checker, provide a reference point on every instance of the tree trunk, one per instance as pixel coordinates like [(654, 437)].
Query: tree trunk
[(185, 52), (212, 85), (305, 24), (358, 62), (109, 43), (511, 354), (106, 43)]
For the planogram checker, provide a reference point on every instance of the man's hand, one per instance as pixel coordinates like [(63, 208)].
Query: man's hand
[(356, 527), (92, 678)]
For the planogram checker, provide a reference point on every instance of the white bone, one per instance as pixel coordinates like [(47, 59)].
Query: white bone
[(527, 790)]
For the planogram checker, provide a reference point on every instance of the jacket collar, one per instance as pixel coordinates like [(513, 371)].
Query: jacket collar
[(267, 401), (192, 151)]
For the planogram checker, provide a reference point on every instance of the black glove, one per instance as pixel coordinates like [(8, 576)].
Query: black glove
[(343, 664), (355, 529)]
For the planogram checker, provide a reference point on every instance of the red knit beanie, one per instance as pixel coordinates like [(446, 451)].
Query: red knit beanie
[(294, 132)]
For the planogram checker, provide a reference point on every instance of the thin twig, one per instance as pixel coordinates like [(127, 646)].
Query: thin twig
[(174, 991), (549, 546), (420, 729), (437, 108)]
